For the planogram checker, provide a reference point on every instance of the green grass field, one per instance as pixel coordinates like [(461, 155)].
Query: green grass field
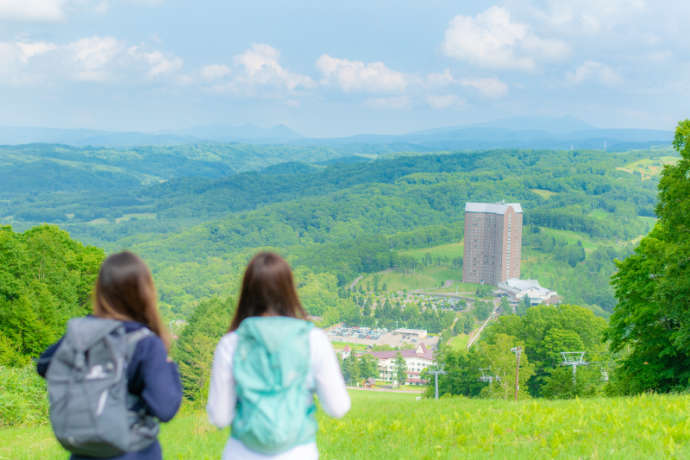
[(546, 194), (459, 342), (424, 278), (451, 250), (571, 237), (397, 426), (649, 167), (353, 346)]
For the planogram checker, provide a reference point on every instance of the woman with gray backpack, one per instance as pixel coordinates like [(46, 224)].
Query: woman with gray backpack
[(109, 378), (268, 367)]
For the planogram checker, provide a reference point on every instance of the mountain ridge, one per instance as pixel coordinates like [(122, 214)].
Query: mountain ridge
[(517, 132)]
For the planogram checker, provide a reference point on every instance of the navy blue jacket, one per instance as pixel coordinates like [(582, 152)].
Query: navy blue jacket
[(150, 376)]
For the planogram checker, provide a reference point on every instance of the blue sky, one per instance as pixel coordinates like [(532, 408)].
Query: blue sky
[(339, 68)]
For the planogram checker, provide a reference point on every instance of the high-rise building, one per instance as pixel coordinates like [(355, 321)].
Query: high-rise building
[(493, 242)]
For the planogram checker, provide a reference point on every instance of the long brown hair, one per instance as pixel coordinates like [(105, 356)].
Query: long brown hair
[(125, 291), (267, 288)]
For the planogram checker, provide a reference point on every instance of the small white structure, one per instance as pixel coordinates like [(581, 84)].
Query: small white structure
[(414, 334), (536, 294)]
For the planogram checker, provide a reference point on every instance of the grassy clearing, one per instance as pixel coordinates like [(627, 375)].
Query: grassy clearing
[(99, 221), (451, 250), (397, 426), (649, 168), (424, 278), (459, 342), (137, 216), (353, 346), (546, 194), (571, 237)]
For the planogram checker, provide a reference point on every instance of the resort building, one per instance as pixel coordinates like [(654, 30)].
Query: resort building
[(416, 360), (493, 242)]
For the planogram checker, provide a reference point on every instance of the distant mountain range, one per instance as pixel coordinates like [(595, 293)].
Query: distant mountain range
[(523, 132), (280, 134), (527, 132)]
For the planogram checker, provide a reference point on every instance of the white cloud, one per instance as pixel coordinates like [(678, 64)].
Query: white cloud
[(214, 72), (392, 102), (360, 76), (259, 66), (445, 101), (255, 72), (32, 10), (594, 71), (589, 16), (11, 60), (492, 39), (31, 49), (490, 87), (94, 59), (158, 63), (442, 79), (57, 10)]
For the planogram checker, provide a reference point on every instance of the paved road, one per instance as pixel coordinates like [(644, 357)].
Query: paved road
[(478, 332)]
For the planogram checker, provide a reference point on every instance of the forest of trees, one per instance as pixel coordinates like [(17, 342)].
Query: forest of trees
[(346, 218), (543, 332), (45, 278)]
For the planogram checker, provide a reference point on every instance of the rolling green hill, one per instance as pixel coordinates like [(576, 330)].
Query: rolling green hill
[(369, 215), (341, 218)]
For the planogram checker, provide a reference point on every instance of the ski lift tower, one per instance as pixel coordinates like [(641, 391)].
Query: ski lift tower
[(486, 377), (435, 372), (573, 359)]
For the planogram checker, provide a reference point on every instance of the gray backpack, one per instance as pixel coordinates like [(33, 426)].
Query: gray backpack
[(90, 406)]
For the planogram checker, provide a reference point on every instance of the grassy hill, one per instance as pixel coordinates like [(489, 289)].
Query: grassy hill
[(397, 426)]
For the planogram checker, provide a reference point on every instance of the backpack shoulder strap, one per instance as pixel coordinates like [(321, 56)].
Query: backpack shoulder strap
[(134, 337)]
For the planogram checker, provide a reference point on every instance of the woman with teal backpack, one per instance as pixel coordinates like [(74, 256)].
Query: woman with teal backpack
[(268, 367)]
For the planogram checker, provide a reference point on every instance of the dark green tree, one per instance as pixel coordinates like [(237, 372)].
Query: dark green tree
[(351, 369), (462, 374), (368, 367), (400, 369), (505, 306), (650, 326), (482, 310), (194, 349)]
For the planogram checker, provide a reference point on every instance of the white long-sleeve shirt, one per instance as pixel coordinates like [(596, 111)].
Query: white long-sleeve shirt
[(324, 379)]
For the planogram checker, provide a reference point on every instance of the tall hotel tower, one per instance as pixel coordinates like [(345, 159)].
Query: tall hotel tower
[(493, 242)]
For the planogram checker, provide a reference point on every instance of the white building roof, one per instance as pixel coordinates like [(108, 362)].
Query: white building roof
[(492, 208), (532, 288), (522, 285), (420, 332)]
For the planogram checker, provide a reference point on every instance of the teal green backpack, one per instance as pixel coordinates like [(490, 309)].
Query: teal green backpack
[(275, 410)]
